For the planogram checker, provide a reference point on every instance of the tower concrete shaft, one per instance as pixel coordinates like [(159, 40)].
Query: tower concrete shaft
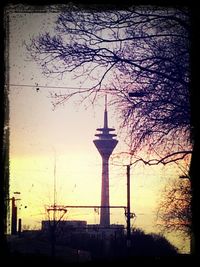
[(105, 145)]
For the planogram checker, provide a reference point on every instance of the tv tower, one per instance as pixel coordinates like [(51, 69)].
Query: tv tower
[(105, 145)]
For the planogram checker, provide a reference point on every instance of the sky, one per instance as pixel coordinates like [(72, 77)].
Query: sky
[(48, 145)]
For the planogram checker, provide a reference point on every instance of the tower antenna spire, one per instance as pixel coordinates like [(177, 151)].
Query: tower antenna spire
[(106, 104), (105, 113)]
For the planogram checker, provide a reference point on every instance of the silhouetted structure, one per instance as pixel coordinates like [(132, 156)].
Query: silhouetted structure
[(105, 145), (14, 218)]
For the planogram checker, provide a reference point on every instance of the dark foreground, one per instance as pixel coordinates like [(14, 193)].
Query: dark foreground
[(36, 250)]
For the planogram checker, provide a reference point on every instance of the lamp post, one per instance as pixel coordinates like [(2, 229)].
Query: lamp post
[(129, 214), (14, 215), (128, 208)]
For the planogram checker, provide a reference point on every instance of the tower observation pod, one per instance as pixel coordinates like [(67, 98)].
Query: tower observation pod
[(105, 145)]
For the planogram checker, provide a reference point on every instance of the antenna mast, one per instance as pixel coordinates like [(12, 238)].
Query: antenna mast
[(54, 188), (106, 103)]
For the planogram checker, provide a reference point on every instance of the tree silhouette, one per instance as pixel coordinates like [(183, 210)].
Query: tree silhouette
[(139, 55), (174, 212), (151, 244)]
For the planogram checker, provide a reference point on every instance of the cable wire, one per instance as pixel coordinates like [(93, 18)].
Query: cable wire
[(53, 87)]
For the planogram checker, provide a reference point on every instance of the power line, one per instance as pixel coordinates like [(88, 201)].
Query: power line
[(88, 206), (55, 87), (46, 86)]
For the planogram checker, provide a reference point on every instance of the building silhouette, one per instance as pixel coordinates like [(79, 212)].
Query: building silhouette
[(105, 145)]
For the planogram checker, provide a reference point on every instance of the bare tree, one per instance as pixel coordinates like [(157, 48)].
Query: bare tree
[(139, 50), (174, 212)]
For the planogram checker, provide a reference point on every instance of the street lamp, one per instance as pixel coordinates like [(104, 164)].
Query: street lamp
[(184, 177), (136, 94), (129, 214), (128, 208)]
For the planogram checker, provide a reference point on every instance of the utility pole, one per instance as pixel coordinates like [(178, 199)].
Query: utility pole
[(128, 209), (52, 227), (14, 216), (19, 226)]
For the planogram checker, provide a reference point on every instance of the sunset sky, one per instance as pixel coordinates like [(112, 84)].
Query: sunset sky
[(42, 138)]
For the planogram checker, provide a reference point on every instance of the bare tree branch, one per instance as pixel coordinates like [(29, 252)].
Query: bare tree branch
[(174, 210), (143, 50), (165, 160)]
